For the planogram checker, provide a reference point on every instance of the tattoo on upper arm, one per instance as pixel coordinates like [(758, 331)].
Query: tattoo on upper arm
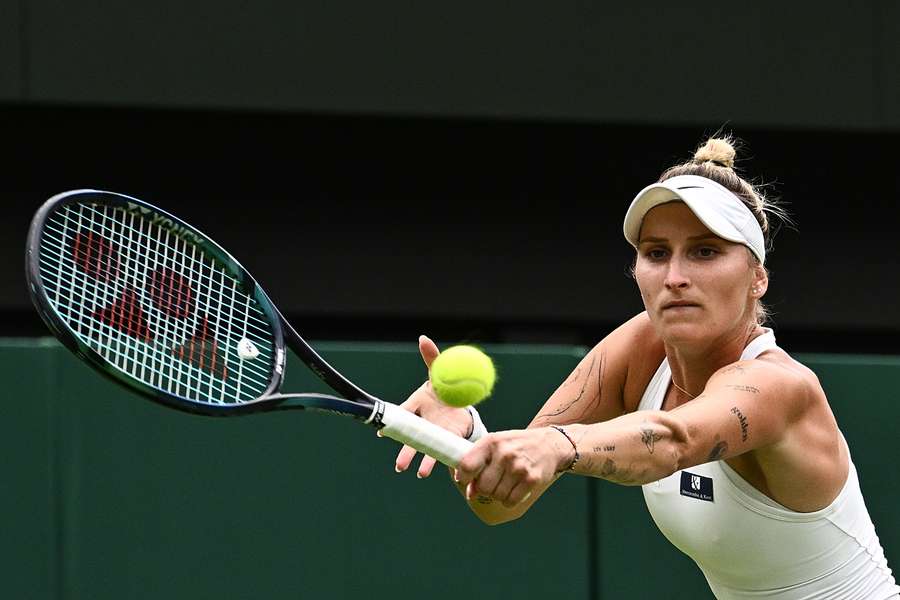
[(743, 420), (648, 436), (576, 374), (718, 450), (575, 378), (744, 388)]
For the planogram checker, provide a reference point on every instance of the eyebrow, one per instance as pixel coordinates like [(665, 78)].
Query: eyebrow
[(693, 238)]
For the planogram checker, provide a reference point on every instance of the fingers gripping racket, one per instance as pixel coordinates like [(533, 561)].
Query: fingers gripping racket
[(153, 303)]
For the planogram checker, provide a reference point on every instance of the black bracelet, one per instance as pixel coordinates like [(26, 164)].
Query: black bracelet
[(574, 447)]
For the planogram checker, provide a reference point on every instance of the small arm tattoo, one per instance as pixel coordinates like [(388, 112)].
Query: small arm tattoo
[(718, 450), (612, 472), (605, 448), (744, 388), (648, 436), (743, 420), (608, 468)]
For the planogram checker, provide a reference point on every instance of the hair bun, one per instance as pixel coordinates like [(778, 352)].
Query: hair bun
[(718, 151)]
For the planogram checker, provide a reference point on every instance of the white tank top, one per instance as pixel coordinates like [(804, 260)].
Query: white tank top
[(749, 546)]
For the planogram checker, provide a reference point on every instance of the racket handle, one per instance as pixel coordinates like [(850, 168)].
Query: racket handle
[(426, 437)]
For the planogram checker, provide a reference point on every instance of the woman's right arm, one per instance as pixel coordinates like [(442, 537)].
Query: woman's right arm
[(593, 392)]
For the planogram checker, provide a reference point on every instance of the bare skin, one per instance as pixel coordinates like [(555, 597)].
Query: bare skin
[(768, 418)]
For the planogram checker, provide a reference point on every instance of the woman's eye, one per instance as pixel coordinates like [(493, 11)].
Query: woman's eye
[(656, 254), (707, 252)]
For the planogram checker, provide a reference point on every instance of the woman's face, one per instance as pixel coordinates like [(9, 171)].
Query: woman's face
[(694, 284)]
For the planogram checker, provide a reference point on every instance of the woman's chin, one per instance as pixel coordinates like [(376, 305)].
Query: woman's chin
[(682, 330)]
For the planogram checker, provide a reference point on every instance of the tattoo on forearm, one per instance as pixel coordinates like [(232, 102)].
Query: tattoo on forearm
[(612, 472), (743, 420), (608, 468), (744, 388), (719, 450), (648, 436), (606, 448)]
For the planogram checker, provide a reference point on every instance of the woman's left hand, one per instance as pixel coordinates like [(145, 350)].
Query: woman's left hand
[(509, 466)]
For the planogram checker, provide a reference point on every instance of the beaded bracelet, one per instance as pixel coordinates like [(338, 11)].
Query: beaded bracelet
[(574, 447)]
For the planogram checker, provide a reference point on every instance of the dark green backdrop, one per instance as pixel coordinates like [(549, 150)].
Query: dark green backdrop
[(107, 496)]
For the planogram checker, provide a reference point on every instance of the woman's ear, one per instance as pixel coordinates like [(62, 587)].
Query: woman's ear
[(760, 281)]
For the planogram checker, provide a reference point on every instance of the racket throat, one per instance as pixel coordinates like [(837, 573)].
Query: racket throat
[(376, 419)]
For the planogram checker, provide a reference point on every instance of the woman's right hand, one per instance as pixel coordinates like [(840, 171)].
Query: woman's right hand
[(424, 403)]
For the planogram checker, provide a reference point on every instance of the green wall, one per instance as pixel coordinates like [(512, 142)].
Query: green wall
[(108, 496)]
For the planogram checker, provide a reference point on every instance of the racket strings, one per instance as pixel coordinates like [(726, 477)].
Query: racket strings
[(126, 314), (160, 292), (200, 348), (154, 306), (95, 255)]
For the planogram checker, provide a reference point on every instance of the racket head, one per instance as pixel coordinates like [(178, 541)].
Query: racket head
[(153, 303)]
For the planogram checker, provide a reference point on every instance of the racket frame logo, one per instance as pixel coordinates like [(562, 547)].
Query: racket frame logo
[(164, 222)]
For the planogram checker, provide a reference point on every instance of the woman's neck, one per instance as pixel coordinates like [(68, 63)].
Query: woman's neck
[(692, 365)]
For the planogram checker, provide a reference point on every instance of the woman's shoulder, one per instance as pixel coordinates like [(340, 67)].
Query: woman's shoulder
[(637, 329), (777, 367), (780, 361), (636, 352)]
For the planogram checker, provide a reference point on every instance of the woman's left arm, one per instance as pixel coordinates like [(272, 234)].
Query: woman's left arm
[(745, 406)]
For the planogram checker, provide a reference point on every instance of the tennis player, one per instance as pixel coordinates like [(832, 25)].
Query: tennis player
[(741, 461)]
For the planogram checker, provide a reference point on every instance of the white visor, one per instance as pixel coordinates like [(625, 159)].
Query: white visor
[(722, 212)]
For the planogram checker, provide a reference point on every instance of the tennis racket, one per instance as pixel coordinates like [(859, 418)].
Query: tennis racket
[(157, 306)]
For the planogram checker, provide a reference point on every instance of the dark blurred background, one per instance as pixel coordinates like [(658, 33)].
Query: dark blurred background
[(387, 169), (390, 169)]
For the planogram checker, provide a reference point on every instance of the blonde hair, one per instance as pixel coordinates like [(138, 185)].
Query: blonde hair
[(714, 160)]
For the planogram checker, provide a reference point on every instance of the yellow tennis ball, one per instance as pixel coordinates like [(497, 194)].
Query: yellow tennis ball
[(462, 375)]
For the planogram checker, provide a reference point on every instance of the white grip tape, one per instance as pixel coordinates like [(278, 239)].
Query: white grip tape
[(424, 436)]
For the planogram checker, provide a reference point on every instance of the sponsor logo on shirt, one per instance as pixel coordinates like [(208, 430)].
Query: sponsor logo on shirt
[(696, 486)]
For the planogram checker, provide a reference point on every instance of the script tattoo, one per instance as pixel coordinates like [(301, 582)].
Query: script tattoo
[(743, 420), (606, 448), (718, 450), (744, 388), (648, 436), (481, 499)]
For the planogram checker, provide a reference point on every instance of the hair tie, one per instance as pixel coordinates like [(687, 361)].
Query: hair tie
[(718, 163)]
